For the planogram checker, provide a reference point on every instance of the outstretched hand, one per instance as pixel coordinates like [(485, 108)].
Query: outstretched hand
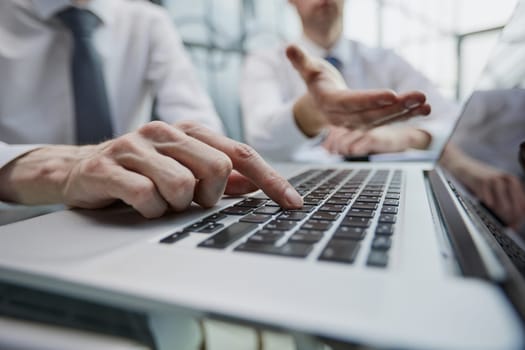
[(337, 105)]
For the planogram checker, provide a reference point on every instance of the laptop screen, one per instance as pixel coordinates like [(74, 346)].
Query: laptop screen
[(488, 142)]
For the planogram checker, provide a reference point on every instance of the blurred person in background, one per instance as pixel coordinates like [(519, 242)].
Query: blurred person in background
[(281, 123)]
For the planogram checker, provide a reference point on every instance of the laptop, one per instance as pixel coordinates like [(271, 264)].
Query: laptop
[(395, 255)]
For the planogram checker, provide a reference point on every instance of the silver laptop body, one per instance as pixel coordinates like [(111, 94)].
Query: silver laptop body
[(425, 270)]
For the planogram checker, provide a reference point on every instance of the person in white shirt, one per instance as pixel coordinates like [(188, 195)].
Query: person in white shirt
[(85, 72), (272, 92)]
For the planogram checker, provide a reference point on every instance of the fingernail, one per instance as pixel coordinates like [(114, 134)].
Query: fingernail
[(385, 103), (293, 198), (411, 104)]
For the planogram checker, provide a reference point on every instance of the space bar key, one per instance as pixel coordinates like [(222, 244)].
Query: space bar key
[(228, 235)]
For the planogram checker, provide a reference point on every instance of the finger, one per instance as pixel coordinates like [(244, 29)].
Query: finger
[(174, 181), (360, 101), (136, 190), (250, 164), (486, 193), (516, 195), (501, 198), (412, 99), (375, 119), (210, 166), (308, 68), (239, 184)]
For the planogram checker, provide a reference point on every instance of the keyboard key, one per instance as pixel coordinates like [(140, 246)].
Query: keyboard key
[(381, 243), (356, 222), (267, 210), (368, 199), (251, 202), (363, 213), (267, 238), (389, 210), (377, 258), (363, 205), (281, 225), (196, 226), (237, 210), (293, 216), (325, 215), (316, 225), (393, 202), (391, 195), (256, 218), (297, 250), (228, 235), (340, 251), (352, 233), (367, 192), (211, 227), (387, 218), (304, 209), (215, 217), (307, 236), (332, 207), (343, 201), (385, 229), (174, 237)]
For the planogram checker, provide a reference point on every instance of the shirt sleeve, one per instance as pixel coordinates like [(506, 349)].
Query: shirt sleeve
[(179, 95), (268, 115), (440, 122), (11, 152)]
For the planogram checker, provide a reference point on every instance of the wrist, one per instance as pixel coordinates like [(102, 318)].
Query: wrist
[(307, 116), (418, 138), (39, 176)]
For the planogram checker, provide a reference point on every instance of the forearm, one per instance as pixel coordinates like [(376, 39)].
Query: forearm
[(38, 177), (308, 118)]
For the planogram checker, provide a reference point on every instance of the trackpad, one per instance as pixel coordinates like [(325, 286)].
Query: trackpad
[(83, 234)]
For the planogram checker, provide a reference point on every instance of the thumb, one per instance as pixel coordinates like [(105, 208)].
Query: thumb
[(307, 67)]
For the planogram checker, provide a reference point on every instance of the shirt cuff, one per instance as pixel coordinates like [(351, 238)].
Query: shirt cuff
[(11, 152)]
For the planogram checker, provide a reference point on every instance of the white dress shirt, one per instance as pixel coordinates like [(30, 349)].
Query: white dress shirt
[(270, 86), (142, 56)]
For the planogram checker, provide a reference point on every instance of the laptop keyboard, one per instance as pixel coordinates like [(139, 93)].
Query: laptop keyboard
[(341, 209)]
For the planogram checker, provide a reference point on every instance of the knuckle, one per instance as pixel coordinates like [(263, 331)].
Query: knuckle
[(156, 130), (182, 190), (122, 144), (244, 152), (188, 126), (94, 165), (221, 166), (143, 192)]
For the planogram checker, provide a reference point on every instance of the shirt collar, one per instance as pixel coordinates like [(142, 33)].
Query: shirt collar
[(342, 50), (46, 9)]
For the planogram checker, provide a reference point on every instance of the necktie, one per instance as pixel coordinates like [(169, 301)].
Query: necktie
[(92, 114), (334, 61)]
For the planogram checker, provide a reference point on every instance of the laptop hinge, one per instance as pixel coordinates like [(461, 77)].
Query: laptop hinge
[(469, 259)]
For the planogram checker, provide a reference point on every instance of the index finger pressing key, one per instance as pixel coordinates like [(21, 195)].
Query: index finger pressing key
[(249, 163)]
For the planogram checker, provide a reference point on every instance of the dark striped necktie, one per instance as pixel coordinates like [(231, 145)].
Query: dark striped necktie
[(92, 112)]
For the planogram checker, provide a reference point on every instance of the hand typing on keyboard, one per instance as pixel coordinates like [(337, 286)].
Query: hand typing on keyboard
[(157, 167)]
